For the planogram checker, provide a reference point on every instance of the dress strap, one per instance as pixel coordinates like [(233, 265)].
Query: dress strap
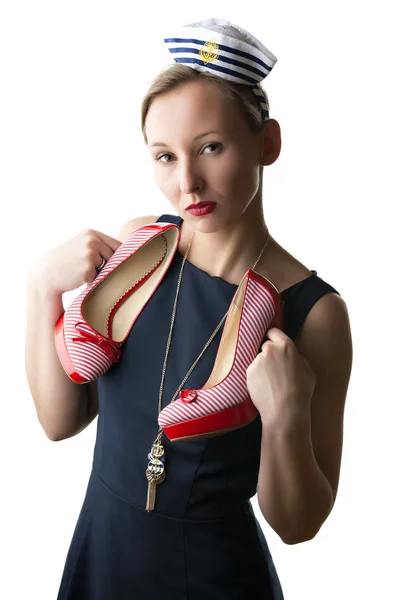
[(170, 219), (299, 300)]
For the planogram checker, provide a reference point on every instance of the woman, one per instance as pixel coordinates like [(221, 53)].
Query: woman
[(209, 139)]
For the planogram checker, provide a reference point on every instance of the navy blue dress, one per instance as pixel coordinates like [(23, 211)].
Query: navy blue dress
[(203, 540)]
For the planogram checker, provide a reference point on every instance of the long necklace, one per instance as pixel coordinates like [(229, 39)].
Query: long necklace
[(155, 472)]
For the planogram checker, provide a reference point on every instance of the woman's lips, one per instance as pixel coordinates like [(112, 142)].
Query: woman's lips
[(202, 208)]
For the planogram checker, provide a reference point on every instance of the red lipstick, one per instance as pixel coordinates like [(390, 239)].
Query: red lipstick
[(201, 208)]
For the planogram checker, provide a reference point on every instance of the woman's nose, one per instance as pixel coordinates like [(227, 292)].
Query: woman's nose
[(191, 179)]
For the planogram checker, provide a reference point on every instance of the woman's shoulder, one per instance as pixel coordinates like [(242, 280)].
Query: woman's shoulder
[(307, 296), (282, 268)]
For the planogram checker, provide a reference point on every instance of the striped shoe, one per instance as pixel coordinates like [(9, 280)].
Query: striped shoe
[(90, 333), (223, 403)]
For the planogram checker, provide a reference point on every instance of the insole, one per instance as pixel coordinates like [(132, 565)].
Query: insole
[(227, 346), (100, 302)]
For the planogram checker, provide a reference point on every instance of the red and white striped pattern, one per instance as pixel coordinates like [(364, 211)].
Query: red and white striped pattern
[(259, 308), (88, 358)]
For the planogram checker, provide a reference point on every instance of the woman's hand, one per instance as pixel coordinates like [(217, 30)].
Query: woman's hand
[(74, 262), (280, 380)]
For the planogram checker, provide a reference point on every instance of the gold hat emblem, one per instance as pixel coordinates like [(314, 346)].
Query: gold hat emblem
[(209, 52)]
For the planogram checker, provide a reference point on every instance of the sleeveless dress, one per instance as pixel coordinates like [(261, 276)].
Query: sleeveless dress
[(203, 540)]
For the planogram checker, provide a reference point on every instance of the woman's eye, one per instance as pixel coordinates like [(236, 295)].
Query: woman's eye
[(160, 158), (214, 147)]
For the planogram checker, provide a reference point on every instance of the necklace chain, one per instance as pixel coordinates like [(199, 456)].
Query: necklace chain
[(158, 438)]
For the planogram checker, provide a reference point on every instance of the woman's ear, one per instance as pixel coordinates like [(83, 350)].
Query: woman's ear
[(271, 142)]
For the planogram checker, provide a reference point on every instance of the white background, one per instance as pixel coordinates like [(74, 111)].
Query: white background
[(72, 78)]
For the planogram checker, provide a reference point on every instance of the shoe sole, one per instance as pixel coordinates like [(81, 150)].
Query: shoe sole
[(213, 425)]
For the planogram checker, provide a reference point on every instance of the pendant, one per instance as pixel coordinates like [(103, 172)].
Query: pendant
[(155, 473)]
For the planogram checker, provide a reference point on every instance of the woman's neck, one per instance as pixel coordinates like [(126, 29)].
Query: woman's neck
[(228, 253)]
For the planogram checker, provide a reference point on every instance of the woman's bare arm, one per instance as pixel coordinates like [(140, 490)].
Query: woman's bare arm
[(64, 408), (300, 461), (61, 404)]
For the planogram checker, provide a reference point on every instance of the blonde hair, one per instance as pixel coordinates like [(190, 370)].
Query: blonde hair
[(176, 74)]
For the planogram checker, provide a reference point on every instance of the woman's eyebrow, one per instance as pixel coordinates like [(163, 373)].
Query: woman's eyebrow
[(194, 139)]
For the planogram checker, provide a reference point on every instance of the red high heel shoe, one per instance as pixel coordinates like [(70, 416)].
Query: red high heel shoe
[(223, 403), (90, 333)]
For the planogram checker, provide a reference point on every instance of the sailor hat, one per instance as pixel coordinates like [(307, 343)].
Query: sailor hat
[(225, 50)]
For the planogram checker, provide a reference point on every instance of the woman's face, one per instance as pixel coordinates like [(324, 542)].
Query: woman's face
[(203, 151)]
